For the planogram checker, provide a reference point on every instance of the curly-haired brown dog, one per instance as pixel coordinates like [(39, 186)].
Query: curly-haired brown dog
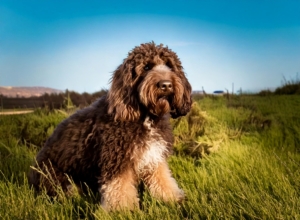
[(124, 137)]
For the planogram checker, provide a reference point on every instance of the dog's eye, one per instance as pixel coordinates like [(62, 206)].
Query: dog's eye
[(148, 66), (169, 64)]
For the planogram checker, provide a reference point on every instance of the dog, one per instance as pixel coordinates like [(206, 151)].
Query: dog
[(124, 137)]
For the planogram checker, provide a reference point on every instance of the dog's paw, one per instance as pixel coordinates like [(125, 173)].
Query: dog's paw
[(180, 196)]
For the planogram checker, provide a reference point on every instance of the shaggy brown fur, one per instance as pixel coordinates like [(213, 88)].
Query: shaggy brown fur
[(124, 137)]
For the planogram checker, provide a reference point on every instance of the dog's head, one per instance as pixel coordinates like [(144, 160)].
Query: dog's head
[(151, 78)]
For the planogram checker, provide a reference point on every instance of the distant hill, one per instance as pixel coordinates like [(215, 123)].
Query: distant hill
[(11, 91)]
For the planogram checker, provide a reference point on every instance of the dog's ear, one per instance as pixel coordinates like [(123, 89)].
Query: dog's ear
[(122, 103), (185, 104)]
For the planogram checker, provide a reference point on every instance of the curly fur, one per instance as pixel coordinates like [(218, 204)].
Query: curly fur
[(124, 137)]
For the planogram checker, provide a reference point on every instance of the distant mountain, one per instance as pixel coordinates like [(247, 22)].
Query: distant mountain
[(11, 91)]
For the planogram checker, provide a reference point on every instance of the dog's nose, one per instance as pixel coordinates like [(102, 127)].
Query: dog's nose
[(165, 85)]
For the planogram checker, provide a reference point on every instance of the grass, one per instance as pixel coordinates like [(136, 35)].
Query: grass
[(235, 158)]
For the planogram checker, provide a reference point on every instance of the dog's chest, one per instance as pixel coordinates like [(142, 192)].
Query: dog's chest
[(153, 152)]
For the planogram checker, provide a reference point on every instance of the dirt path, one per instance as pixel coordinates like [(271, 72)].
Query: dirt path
[(16, 112)]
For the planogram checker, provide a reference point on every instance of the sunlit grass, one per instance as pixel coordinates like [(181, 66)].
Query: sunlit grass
[(252, 173)]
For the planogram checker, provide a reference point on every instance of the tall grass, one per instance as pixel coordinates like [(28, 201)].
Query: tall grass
[(235, 159)]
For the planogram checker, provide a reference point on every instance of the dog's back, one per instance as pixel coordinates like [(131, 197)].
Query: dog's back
[(68, 151)]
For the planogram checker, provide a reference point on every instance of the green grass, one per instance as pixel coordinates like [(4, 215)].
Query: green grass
[(235, 158)]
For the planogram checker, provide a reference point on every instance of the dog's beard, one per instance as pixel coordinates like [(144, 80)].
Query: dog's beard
[(157, 103), (162, 106)]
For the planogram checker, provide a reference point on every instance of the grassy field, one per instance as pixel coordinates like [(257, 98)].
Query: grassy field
[(235, 158)]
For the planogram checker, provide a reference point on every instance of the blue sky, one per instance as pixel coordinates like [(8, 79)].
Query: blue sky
[(76, 45)]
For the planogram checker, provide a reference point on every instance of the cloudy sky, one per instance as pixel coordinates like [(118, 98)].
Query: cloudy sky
[(76, 45)]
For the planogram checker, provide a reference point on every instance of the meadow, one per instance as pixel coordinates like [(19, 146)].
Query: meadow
[(236, 157)]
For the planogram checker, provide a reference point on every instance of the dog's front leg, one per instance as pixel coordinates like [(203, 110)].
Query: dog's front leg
[(120, 193), (162, 185)]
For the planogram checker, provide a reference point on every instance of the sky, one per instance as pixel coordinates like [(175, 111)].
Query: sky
[(77, 45)]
